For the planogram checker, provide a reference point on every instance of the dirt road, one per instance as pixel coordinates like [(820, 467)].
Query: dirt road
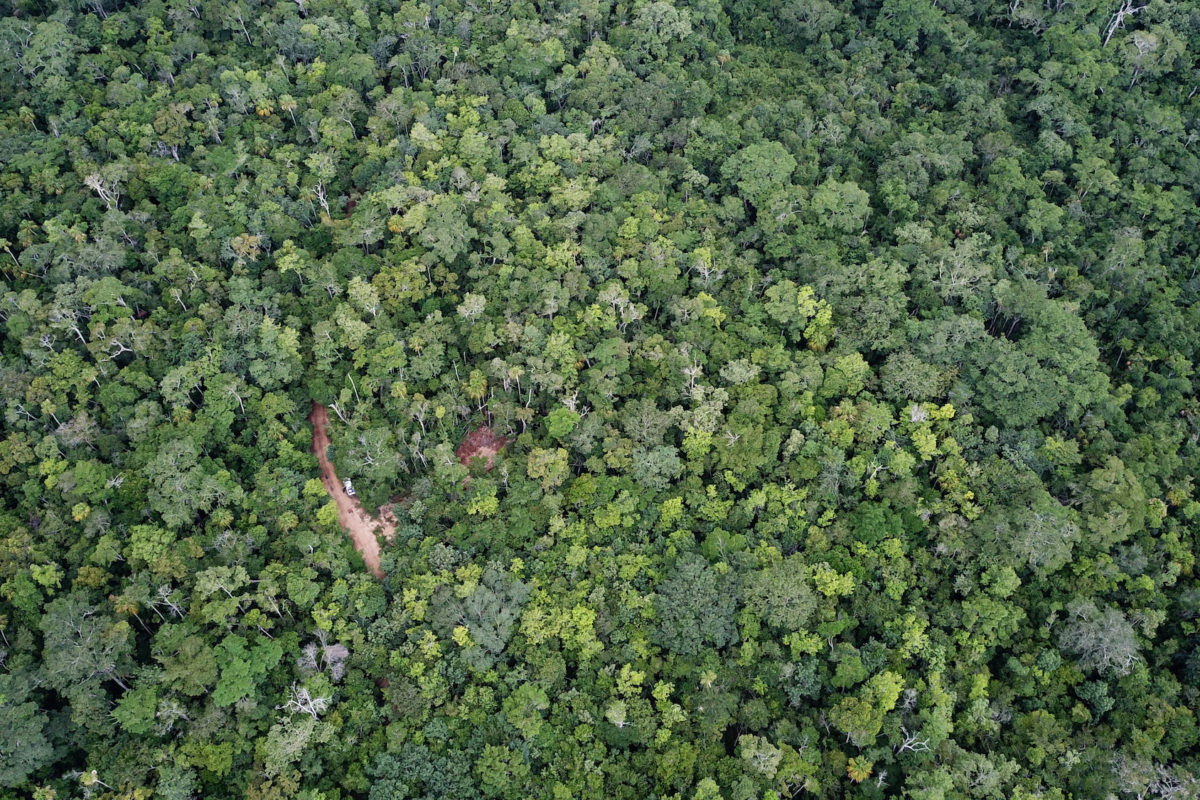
[(364, 529)]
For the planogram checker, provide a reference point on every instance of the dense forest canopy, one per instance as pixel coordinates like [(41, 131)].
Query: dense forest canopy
[(839, 361)]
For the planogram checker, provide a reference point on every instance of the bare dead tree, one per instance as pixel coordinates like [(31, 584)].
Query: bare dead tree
[(913, 743), (301, 701), (1117, 22)]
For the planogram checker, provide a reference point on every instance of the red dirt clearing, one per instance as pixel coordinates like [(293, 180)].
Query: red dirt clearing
[(481, 443), (364, 529)]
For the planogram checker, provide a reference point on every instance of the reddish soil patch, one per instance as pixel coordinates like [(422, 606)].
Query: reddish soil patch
[(364, 529), (480, 443)]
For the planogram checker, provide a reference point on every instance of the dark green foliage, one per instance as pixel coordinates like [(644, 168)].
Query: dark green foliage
[(695, 608), (26, 749)]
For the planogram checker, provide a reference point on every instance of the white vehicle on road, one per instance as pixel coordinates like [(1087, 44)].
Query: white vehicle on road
[(349, 487)]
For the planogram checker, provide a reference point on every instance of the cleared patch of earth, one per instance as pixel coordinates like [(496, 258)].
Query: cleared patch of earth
[(483, 443), (363, 528)]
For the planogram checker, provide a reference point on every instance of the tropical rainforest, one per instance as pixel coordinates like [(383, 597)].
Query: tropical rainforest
[(836, 361)]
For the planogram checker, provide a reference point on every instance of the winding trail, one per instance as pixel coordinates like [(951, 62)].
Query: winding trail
[(363, 528)]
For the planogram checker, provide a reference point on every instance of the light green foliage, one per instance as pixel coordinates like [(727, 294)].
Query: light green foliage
[(550, 466), (780, 594), (760, 170), (860, 716), (524, 708), (241, 666), (838, 361), (841, 206)]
